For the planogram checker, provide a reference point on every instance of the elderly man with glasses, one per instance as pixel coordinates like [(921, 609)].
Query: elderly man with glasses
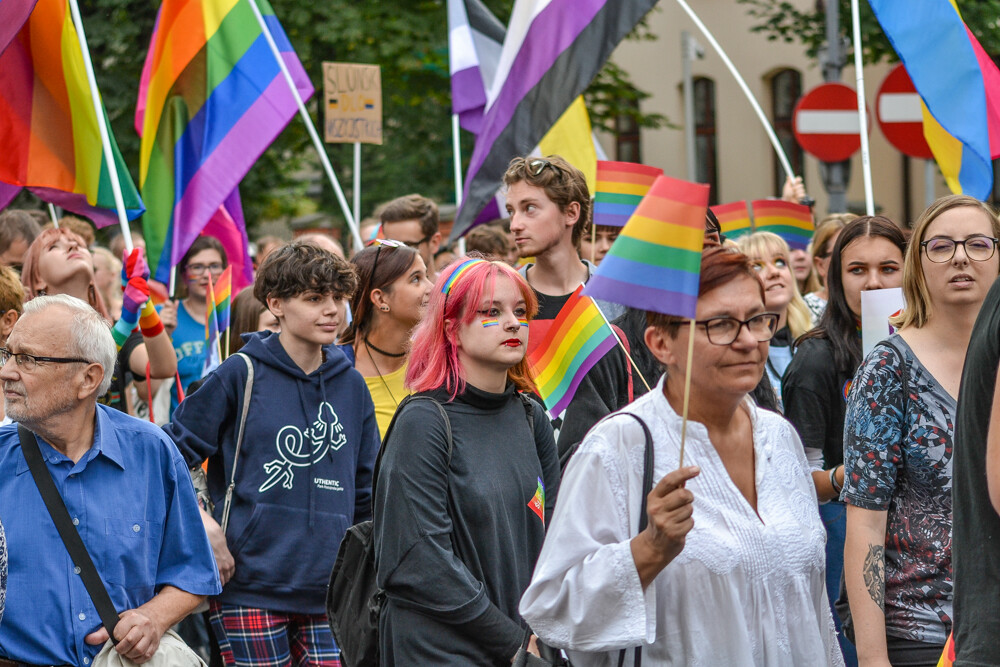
[(122, 481)]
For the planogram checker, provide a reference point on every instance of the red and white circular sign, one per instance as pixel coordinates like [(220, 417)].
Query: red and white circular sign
[(826, 122), (897, 107)]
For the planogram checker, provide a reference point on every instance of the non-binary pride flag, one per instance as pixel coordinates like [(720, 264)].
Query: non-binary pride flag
[(792, 222), (552, 51), (734, 219), (620, 188), (577, 339), (656, 261), (958, 82), (213, 101), (48, 128)]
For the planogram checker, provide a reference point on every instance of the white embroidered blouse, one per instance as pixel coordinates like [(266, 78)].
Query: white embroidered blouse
[(746, 589)]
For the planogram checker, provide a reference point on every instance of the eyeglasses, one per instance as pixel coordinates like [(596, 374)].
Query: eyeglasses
[(416, 244), (538, 165), (941, 249), (28, 362), (725, 330), (391, 243), (198, 269)]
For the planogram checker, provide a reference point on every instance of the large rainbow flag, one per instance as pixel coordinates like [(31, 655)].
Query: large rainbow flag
[(48, 127), (577, 339), (958, 83), (13, 14), (620, 188), (792, 222), (212, 100), (656, 262), (734, 219)]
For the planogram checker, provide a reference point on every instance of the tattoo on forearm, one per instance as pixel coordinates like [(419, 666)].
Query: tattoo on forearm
[(874, 574)]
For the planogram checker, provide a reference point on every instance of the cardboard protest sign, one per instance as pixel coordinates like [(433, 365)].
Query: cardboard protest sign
[(352, 96), (877, 306)]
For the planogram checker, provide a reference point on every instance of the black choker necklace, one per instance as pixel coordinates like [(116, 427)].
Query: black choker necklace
[(394, 355)]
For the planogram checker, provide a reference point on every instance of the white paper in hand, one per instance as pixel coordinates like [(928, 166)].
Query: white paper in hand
[(877, 306)]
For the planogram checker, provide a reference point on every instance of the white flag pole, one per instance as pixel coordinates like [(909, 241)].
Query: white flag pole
[(109, 157), (456, 149), (311, 127), (357, 181), (785, 164), (866, 166)]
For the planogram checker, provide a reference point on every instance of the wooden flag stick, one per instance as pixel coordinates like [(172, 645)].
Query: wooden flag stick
[(687, 393), (622, 346), (227, 340), (593, 242)]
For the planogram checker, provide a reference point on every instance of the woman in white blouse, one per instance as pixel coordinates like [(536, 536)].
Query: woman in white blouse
[(730, 570)]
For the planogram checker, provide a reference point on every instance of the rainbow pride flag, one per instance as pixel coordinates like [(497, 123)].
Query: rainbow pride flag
[(576, 340), (620, 188), (792, 222), (947, 658), (13, 14), (734, 219), (211, 100), (656, 261), (48, 127), (223, 293), (213, 346)]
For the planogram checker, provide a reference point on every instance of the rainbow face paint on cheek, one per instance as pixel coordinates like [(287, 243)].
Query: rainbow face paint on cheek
[(491, 323), (523, 323)]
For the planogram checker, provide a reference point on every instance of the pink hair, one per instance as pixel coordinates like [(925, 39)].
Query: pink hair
[(31, 276), (434, 354)]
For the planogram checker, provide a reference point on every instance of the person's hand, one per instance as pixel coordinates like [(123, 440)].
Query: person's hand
[(223, 558), (533, 646), (134, 265), (794, 190), (135, 295), (168, 316), (137, 634), (669, 507)]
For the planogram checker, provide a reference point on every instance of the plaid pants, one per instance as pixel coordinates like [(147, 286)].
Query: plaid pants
[(250, 637)]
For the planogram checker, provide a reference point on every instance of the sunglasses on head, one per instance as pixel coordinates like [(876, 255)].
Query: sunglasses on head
[(391, 243), (537, 165)]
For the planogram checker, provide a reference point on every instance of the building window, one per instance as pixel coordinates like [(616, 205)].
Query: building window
[(704, 137), (627, 136), (786, 89)]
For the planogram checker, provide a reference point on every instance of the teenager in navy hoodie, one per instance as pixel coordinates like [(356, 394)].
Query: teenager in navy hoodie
[(304, 470)]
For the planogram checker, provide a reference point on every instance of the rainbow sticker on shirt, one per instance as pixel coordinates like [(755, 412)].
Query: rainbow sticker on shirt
[(537, 502), (847, 389)]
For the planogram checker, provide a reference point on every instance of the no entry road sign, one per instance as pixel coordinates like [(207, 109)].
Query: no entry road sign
[(826, 122), (899, 113)]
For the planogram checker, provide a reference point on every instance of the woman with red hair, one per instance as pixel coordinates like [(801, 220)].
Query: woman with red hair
[(465, 487)]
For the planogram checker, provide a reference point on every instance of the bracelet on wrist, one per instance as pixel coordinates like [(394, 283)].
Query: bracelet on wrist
[(837, 488)]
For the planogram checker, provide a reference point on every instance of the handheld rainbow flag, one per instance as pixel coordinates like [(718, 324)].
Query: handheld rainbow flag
[(958, 83), (223, 292), (211, 100), (13, 14), (620, 188), (213, 346), (48, 127), (577, 339), (792, 222), (947, 658), (734, 219), (656, 261)]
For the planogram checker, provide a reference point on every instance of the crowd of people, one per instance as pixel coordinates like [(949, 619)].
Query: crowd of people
[(786, 500)]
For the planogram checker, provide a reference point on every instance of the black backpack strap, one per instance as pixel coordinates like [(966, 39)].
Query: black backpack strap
[(67, 531)]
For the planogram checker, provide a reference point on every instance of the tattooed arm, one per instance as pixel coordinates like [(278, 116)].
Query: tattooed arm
[(864, 574)]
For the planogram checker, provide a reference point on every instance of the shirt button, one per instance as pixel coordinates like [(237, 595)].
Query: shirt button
[(135, 528), (82, 616), (73, 475), (76, 570), (86, 661), (76, 522)]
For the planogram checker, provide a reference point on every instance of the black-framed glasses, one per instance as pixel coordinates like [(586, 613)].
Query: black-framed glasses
[(216, 269), (941, 249), (416, 244), (537, 165), (725, 330), (390, 243), (28, 362)]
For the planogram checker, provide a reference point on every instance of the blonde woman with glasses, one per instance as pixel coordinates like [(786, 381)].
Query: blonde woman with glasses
[(898, 440)]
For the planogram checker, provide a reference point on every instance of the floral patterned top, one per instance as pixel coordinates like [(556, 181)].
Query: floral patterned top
[(898, 437)]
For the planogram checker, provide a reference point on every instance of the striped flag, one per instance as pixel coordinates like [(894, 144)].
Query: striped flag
[(734, 219), (792, 222), (958, 82), (13, 14), (656, 261), (552, 51), (223, 292), (475, 39), (213, 346), (620, 188), (577, 339), (212, 100), (228, 226), (48, 127)]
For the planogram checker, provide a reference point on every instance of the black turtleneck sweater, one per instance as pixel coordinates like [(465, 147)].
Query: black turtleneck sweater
[(456, 545)]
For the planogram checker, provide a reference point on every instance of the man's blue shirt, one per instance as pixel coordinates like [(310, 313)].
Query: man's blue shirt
[(131, 498)]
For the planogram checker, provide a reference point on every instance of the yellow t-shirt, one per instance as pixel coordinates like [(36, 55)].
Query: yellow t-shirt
[(387, 392)]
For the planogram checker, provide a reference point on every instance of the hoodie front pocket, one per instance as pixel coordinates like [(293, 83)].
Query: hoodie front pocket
[(279, 549)]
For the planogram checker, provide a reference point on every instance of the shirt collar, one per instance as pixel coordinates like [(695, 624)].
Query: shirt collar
[(105, 443)]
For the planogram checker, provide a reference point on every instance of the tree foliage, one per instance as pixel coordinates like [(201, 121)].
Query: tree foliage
[(410, 42)]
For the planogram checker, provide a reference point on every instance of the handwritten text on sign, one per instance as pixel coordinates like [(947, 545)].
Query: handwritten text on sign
[(353, 98)]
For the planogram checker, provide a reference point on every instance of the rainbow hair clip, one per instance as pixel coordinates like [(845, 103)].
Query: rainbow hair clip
[(491, 323), (458, 273)]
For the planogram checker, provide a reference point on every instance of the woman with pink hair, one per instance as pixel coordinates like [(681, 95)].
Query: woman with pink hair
[(467, 478)]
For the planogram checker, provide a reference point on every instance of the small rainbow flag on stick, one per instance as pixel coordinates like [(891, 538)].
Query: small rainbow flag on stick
[(734, 219), (620, 188), (576, 341), (655, 263), (223, 292), (792, 222)]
